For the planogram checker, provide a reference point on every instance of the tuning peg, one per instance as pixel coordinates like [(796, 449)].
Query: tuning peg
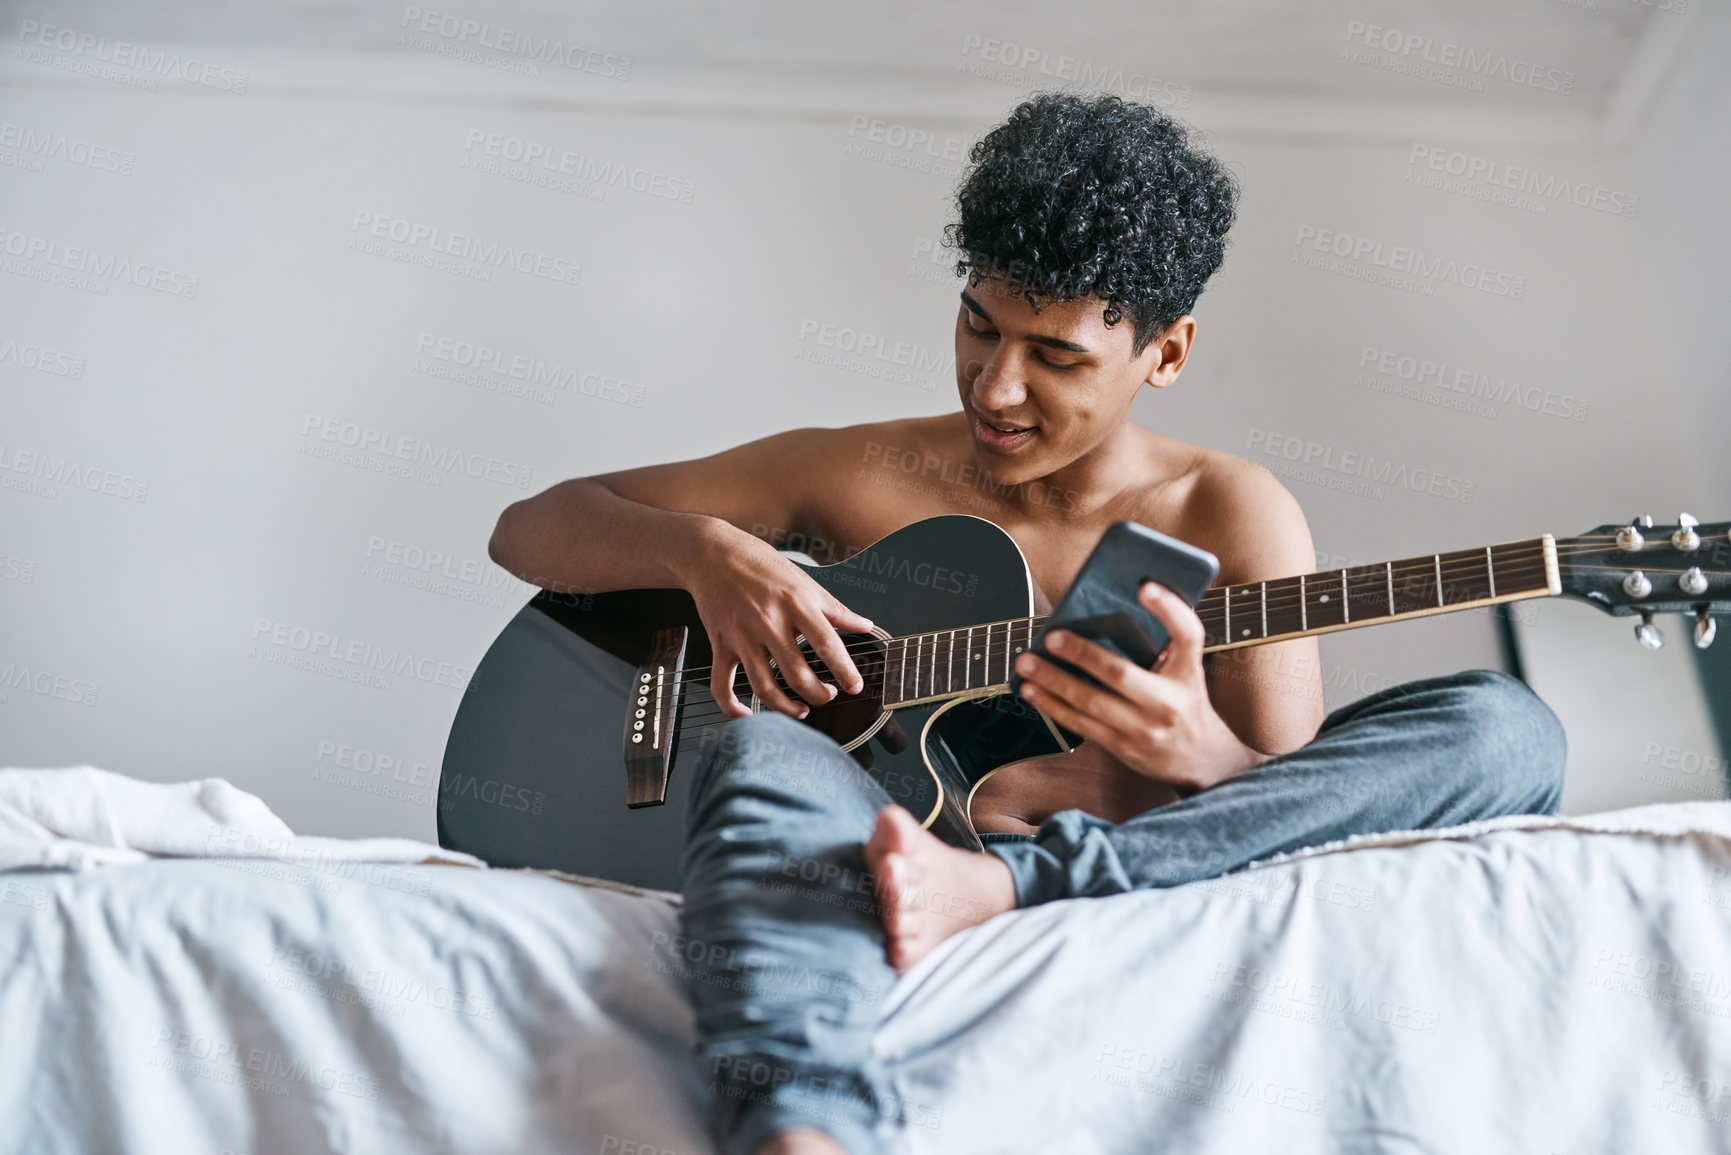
[(1705, 628), (1686, 539), (1647, 633), (1693, 581), (1637, 585), (1629, 538)]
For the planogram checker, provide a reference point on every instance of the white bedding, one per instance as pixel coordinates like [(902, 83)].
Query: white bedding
[(77, 817), (1537, 990)]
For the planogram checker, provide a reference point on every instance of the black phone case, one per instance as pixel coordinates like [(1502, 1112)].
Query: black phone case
[(1102, 605)]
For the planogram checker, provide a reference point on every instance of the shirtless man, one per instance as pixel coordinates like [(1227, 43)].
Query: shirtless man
[(1087, 229)]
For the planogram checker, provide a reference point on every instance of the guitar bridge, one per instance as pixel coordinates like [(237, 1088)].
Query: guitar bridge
[(651, 716)]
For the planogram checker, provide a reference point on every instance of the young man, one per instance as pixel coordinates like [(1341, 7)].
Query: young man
[(1087, 229)]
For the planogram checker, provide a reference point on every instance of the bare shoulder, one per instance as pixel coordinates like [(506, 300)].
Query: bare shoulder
[(861, 482), (1240, 512), (824, 462), (851, 444), (806, 458)]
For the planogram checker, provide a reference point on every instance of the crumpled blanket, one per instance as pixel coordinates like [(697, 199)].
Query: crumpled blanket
[(78, 817)]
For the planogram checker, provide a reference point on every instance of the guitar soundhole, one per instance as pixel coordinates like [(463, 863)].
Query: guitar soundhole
[(848, 715)]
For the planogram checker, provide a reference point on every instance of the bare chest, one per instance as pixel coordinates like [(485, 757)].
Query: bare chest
[(887, 486), (1053, 557)]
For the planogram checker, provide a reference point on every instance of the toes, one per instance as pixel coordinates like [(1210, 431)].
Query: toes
[(889, 838), (878, 844), (894, 874), (886, 872), (901, 831)]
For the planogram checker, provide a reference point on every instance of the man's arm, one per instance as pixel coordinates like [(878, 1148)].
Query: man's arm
[(645, 527), (684, 525), (1271, 695)]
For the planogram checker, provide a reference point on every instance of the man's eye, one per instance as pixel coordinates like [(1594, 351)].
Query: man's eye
[(979, 332), (1056, 365)]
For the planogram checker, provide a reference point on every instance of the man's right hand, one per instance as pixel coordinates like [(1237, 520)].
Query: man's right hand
[(754, 604)]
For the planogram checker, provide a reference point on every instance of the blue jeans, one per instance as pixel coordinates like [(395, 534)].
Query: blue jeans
[(783, 950)]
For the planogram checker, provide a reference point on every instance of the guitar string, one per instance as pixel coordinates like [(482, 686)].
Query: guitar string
[(989, 651), (1212, 601), (708, 710), (1374, 580), (699, 718), (1374, 586)]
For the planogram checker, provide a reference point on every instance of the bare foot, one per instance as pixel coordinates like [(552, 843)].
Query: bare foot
[(801, 1141), (928, 889)]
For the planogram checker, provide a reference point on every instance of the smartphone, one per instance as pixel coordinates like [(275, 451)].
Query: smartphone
[(1102, 603)]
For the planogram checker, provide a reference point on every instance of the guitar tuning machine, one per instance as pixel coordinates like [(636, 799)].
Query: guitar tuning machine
[(1693, 580), (1647, 633), (1686, 539), (1637, 584), (1705, 629), (1629, 538)]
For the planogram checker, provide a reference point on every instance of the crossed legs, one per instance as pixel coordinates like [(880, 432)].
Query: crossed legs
[(806, 892)]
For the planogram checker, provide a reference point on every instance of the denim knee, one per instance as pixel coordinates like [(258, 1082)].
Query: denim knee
[(768, 762), (1515, 745), (764, 748)]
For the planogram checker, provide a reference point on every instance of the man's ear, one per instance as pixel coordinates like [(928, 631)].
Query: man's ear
[(1166, 354)]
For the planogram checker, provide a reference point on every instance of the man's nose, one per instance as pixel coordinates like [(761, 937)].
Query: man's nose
[(998, 387)]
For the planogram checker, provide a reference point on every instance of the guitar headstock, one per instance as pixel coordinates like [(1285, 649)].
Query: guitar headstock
[(1648, 569)]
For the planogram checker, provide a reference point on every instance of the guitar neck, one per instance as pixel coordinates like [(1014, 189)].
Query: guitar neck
[(973, 660)]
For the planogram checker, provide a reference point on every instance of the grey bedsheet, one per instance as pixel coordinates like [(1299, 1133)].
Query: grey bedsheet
[(1549, 990)]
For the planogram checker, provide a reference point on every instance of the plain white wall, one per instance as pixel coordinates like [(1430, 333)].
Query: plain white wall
[(693, 313)]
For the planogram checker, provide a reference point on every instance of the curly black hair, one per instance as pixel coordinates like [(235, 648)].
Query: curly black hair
[(1073, 196)]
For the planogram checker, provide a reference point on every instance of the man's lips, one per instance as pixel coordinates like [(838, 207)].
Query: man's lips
[(995, 437), (1003, 426)]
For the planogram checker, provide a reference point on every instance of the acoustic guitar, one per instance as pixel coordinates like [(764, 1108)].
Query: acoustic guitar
[(572, 750)]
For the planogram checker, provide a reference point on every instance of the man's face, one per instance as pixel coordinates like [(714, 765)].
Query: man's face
[(1061, 374)]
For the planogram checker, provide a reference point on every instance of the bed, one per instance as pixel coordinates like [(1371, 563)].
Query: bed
[(1526, 985)]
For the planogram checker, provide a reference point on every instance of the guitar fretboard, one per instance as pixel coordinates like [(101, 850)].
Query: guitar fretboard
[(948, 663), (960, 662)]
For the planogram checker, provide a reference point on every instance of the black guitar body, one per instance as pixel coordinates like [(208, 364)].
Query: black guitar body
[(535, 772)]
